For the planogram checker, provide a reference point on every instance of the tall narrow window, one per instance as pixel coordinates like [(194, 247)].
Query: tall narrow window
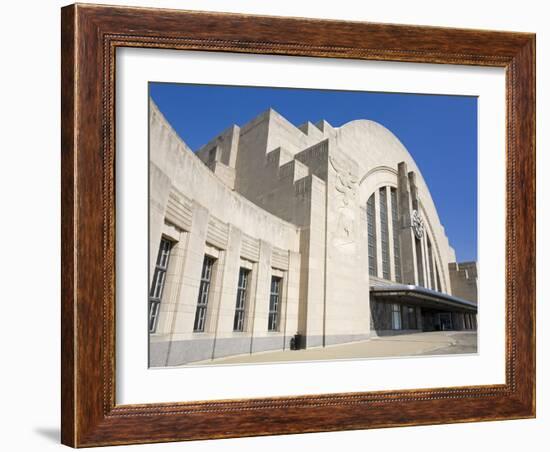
[(411, 317), (157, 286), (384, 233), (238, 321), (204, 289), (274, 302), (212, 155), (395, 231), (419, 265), (396, 316), (371, 230), (433, 284)]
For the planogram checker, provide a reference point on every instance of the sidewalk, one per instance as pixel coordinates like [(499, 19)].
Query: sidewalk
[(437, 343)]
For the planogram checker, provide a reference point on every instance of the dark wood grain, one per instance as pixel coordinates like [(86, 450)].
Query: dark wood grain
[(90, 36), (68, 148)]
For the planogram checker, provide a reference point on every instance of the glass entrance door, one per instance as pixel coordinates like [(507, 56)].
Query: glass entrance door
[(445, 321)]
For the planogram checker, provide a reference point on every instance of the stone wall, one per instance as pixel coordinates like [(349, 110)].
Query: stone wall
[(200, 214), (464, 280)]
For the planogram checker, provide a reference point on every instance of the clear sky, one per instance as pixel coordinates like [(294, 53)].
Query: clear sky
[(439, 131)]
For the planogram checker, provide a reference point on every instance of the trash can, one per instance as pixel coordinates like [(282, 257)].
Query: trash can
[(296, 342), (293, 343)]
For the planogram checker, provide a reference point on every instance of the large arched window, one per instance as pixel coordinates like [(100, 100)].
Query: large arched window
[(383, 234), (384, 243), (371, 231)]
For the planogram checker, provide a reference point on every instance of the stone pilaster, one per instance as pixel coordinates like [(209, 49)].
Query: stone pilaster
[(426, 261), (390, 234), (191, 271), (223, 307), (180, 325), (379, 269), (159, 191), (174, 275), (406, 237), (260, 304), (419, 260), (292, 300)]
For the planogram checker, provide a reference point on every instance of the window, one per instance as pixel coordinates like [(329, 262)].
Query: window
[(157, 286), (238, 321), (371, 230), (395, 232), (384, 233), (396, 316), (212, 155), (274, 302), (204, 289), (411, 317), (433, 284)]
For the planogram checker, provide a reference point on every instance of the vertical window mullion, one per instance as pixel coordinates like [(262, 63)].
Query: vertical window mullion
[(160, 284)]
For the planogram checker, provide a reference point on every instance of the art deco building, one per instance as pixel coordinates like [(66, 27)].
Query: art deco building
[(271, 231)]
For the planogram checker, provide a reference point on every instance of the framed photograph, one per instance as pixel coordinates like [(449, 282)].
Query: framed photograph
[(281, 225)]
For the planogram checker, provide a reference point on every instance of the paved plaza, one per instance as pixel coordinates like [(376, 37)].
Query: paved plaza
[(431, 343)]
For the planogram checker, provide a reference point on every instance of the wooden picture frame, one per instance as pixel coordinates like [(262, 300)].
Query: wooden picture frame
[(90, 36)]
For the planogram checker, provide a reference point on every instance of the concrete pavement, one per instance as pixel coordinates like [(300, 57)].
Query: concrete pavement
[(432, 343)]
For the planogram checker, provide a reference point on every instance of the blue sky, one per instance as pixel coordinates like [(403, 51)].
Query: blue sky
[(439, 131)]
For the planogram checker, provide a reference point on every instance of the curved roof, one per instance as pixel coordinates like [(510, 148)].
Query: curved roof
[(376, 149), (373, 146)]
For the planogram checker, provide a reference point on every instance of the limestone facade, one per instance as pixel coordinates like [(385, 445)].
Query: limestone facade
[(271, 230)]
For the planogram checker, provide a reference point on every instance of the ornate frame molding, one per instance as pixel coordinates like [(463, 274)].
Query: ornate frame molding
[(90, 36)]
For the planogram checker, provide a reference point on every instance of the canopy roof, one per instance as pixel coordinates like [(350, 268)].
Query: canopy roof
[(422, 297)]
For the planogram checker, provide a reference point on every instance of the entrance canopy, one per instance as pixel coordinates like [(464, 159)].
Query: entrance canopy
[(420, 296)]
